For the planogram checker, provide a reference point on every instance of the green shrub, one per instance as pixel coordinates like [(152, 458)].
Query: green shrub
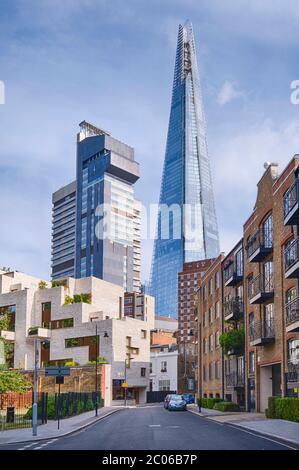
[(270, 411), (232, 340), (71, 363), (42, 285), (226, 406), (208, 402), (286, 408)]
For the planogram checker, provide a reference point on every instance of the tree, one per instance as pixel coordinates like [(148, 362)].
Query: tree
[(13, 381)]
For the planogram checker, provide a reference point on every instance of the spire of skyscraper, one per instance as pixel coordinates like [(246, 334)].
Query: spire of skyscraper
[(186, 183)]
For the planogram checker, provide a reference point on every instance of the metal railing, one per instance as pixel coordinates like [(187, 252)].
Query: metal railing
[(262, 329), (293, 372), (235, 379), (16, 410), (292, 311), (234, 305), (260, 284), (290, 198), (260, 239), (291, 254)]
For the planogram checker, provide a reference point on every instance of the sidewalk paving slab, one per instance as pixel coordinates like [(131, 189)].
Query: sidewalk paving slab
[(287, 431), (50, 431)]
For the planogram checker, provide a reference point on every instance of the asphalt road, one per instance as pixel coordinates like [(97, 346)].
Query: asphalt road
[(153, 428)]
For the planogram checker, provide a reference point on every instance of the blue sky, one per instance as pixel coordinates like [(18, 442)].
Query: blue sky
[(111, 62)]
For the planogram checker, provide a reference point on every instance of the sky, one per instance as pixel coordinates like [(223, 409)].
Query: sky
[(111, 62)]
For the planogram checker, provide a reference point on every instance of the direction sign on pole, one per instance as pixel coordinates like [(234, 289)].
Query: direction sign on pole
[(57, 371)]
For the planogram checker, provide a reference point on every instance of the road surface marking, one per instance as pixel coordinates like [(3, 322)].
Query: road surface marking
[(154, 425)]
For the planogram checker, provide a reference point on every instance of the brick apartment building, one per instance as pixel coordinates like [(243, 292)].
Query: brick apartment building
[(188, 284), (209, 328), (259, 302)]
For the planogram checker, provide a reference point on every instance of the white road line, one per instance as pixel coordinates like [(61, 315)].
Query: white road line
[(262, 437), (27, 446), (154, 425)]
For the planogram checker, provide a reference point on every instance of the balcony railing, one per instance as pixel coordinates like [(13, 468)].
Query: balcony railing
[(290, 204), (262, 332), (232, 275), (260, 289), (291, 260), (235, 379), (259, 246), (292, 315), (293, 372), (233, 308)]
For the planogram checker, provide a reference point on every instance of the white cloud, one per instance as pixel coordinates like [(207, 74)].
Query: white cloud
[(228, 93)]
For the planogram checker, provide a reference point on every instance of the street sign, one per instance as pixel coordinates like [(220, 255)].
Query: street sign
[(55, 371), (59, 379), (125, 385)]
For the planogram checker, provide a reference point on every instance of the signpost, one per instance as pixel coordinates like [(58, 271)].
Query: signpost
[(59, 373)]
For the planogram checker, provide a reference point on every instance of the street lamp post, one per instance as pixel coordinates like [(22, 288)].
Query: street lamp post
[(97, 367), (34, 406)]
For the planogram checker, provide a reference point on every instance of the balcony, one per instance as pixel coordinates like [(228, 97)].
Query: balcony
[(35, 332), (291, 260), (291, 205), (9, 336), (260, 289), (259, 246), (292, 315), (231, 275), (233, 309), (293, 373), (235, 380), (262, 333)]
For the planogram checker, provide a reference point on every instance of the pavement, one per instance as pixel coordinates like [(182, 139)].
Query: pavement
[(50, 431), (154, 428), (286, 431)]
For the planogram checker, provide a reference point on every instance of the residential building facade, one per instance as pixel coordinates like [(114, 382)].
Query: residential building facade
[(188, 285), (209, 322), (74, 322), (187, 226)]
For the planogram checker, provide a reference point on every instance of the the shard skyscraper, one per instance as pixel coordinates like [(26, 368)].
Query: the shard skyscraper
[(188, 230)]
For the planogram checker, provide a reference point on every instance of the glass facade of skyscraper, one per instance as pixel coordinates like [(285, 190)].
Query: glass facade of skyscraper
[(188, 230)]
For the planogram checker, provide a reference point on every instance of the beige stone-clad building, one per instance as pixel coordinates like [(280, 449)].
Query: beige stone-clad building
[(63, 318)]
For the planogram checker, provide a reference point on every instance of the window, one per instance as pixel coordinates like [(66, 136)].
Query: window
[(290, 295), (217, 310), (164, 366), (164, 385), (217, 280), (211, 371), (217, 370), (205, 346), (143, 334), (211, 286), (211, 343), (143, 371), (204, 293), (204, 373), (211, 314), (204, 319), (251, 363), (217, 335), (239, 263), (269, 317), (293, 351), (268, 276), (151, 367), (267, 232)]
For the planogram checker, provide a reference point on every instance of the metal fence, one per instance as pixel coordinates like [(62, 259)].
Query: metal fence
[(16, 410), (69, 404)]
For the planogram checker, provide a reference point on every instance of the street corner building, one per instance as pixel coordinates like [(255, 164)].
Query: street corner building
[(74, 321), (186, 183), (258, 354)]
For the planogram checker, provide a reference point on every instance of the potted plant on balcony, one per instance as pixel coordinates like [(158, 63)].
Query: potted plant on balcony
[(233, 341)]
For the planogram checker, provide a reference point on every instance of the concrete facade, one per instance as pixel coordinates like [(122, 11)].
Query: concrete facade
[(66, 331)]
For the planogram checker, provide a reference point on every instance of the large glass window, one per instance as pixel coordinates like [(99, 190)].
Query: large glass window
[(268, 276), (267, 232)]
